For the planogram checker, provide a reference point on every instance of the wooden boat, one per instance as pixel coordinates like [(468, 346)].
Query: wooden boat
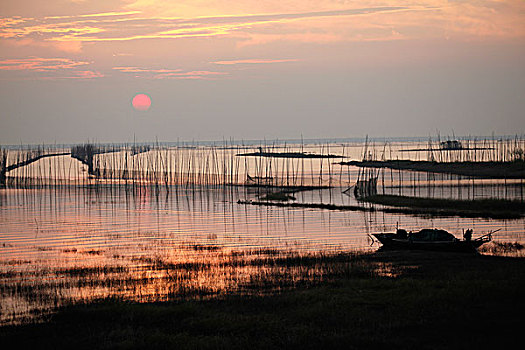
[(430, 239)]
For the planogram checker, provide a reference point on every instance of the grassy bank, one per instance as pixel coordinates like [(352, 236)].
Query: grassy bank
[(433, 301), (327, 206), (486, 208), (495, 170), (493, 209)]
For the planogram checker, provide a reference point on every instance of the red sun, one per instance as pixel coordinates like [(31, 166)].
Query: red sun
[(141, 102)]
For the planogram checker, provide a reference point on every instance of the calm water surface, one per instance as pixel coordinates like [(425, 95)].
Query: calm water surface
[(67, 244), (42, 223), (62, 245)]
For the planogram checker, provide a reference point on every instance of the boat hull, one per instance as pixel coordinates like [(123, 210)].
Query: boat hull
[(389, 241)]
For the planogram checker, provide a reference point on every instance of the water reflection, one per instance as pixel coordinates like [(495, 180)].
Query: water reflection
[(97, 218), (61, 245)]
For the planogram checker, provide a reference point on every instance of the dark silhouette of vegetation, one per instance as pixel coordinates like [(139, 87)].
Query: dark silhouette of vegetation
[(489, 208), (287, 155), (436, 300), (277, 196), (494, 170), (418, 206), (499, 248)]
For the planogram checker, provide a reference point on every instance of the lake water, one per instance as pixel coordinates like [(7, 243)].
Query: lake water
[(82, 239), (61, 245)]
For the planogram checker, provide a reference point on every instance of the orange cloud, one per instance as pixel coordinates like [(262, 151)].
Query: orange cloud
[(81, 74), (254, 61), (144, 70), (39, 64), (48, 68), (65, 46), (201, 74), (168, 73), (129, 26), (68, 46), (253, 39), (253, 22), (103, 14)]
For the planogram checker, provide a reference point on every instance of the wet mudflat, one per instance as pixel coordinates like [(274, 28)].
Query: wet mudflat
[(404, 300)]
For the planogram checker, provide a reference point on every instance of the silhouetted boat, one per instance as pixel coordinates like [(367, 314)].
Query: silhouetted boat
[(430, 239)]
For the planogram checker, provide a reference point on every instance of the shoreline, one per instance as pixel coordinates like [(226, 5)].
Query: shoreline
[(420, 300)]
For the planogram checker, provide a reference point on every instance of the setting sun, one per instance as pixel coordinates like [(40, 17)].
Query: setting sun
[(141, 102)]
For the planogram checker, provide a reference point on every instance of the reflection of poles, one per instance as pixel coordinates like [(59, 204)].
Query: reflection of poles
[(302, 162), (3, 166), (23, 173), (383, 179), (399, 180), (521, 190)]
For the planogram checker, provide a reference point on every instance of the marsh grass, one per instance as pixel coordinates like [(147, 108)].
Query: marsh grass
[(489, 208), (437, 301), (503, 248), (429, 207), (511, 169), (423, 207), (204, 272)]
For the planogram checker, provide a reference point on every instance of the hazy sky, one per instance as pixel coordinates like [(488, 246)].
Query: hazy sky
[(251, 69)]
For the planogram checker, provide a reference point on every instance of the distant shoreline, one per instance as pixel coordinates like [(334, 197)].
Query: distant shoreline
[(287, 155), (260, 142), (491, 170)]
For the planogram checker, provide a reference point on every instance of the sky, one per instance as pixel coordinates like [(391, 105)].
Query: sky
[(247, 69)]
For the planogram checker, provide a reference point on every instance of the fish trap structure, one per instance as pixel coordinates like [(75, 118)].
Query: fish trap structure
[(139, 165)]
